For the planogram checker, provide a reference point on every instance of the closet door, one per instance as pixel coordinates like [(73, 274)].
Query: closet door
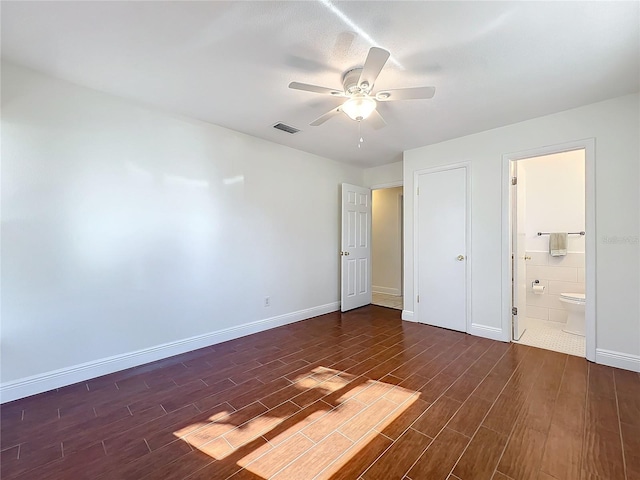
[(441, 247)]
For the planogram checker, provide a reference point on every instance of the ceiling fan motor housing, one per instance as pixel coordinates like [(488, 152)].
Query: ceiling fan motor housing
[(350, 82)]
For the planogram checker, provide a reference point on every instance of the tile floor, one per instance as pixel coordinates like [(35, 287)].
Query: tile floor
[(385, 300), (549, 335), (361, 395)]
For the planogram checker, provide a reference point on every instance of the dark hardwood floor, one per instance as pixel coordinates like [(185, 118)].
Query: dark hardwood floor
[(341, 396)]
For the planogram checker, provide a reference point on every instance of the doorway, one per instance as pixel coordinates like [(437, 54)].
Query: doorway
[(548, 282), (550, 256), (387, 247)]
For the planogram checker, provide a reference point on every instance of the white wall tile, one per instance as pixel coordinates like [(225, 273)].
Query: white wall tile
[(569, 260), (545, 300), (564, 274), (556, 288), (538, 258), (556, 315), (543, 282), (538, 312), (581, 275)]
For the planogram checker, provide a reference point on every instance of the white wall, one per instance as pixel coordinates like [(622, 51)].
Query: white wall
[(124, 228), (384, 175), (386, 241), (555, 202), (615, 126)]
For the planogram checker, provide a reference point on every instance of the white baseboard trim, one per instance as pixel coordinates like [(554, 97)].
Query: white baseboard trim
[(408, 316), (493, 333), (386, 290), (626, 361), (44, 382)]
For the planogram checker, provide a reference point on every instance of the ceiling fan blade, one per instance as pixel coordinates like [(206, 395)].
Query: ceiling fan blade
[(323, 118), (413, 93), (376, 59), (316, 89), (376, 120)]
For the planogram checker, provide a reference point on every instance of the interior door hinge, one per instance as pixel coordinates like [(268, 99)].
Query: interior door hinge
[(514, 180), (418, 299), (418, 191), (514, 310)]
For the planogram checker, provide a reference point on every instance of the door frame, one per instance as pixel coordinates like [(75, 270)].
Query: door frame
[(519, 260), (416, 254), (589, 146)]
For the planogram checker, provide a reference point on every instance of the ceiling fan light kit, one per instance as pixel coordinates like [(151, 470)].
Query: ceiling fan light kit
[(359, 107), (357, 86)]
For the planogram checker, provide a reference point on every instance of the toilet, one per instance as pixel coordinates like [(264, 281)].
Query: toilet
[(573, 303)]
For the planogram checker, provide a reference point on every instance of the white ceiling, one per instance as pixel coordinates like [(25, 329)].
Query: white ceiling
[(229, 63)]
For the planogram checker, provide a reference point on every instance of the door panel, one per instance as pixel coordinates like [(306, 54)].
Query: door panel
[(442, 248), (356, 247)]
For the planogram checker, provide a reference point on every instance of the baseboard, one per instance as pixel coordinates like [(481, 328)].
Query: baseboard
[(408, 316), (625, 361), (386, 290), (493, 333), (25, 387)]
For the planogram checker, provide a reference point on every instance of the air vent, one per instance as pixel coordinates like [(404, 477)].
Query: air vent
[(286, 128)]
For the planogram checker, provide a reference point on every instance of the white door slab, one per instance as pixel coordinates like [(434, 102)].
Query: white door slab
[(441, 253), (356, 247)]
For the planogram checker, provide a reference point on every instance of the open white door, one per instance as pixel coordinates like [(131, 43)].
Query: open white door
[(356, 247), (518, 252)]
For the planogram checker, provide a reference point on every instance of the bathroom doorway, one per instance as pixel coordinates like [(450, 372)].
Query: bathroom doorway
[(548, 235), (386, 247)]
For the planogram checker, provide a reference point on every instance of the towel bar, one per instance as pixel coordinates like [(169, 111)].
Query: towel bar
[(570, 233)]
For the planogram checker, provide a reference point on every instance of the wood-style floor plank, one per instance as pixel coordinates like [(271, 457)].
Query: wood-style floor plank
[(398, 459), (440, 457), (360, 395), (481, 457)]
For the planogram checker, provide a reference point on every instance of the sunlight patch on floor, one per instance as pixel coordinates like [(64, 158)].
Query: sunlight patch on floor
[(360, 410)]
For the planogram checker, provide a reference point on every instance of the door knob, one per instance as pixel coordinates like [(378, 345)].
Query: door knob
[(460, 258)]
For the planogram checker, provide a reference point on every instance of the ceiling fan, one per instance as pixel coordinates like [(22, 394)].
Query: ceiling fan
[(357, 86)]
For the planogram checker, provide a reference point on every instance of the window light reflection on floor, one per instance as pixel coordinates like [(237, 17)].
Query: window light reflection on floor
[(351, 411)]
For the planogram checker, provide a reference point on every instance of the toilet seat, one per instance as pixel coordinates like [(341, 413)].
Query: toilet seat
[(573, 297)]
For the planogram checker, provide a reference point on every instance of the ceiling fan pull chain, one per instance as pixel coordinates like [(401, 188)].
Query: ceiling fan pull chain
[(360, 134)]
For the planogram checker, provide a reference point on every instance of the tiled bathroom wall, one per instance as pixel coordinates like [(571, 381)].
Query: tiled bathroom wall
[(558, 275)]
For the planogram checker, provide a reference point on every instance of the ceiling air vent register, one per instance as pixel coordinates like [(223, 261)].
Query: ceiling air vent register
[(286, 128)]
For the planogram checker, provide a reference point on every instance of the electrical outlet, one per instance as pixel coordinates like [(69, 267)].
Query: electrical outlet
[(267, 301)]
